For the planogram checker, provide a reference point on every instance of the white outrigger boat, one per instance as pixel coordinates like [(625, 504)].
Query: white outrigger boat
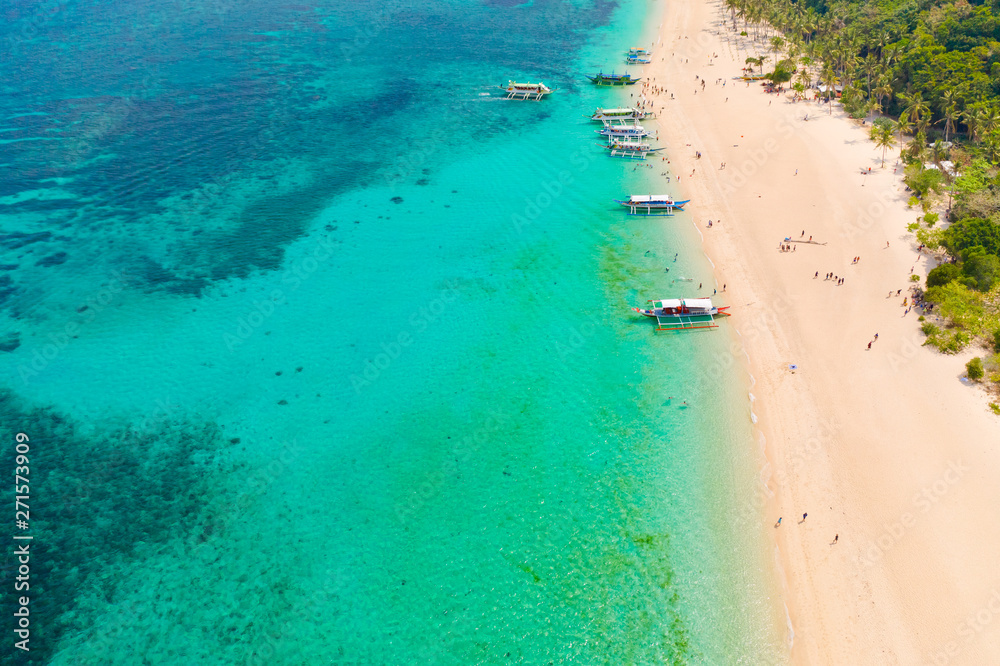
[(637, 60), (682, 314), (651, 204), (620, 114), (639, 52), (535, 91), (628, 148), (623, 129)]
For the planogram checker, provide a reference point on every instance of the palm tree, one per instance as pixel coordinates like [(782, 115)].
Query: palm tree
[(919, 145), (903, 125), (804, 78), (759, 61), (917, 110), (777, 43), (883, 90), (990, 121), (950, 116), (938, 153), (831, 84), (949, 111), (873, 107), (870, 66), (890, 55), (973, 120), (993, 148), (881, 134)]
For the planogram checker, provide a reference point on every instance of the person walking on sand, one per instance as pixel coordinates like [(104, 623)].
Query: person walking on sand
[(804, 515), (836, 537), (876, 336), (869, 346), (779, 521)]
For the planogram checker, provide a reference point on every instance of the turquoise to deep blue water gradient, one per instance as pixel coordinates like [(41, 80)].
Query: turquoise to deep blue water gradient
[(324, 351)]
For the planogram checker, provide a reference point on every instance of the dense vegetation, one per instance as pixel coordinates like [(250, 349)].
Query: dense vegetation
[(933, 69)]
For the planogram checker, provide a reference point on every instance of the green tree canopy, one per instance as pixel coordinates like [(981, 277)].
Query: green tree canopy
[(942, 275), (981, 266), (973, 232)]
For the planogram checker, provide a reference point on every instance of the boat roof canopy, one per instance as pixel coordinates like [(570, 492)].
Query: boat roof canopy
[(649, 198), (670, 302), (698, 303)]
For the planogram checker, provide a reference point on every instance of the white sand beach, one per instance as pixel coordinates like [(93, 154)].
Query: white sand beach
[(885, 449)]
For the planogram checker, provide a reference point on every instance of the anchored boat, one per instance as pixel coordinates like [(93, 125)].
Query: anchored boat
[(637, 60), (620, 114), (623, 129), (639, 52), (629, 149), (681, 314), (535, 91), (652, 204), (613, 79)]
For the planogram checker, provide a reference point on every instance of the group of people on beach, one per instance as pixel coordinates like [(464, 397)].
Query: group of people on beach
[(830, 276)]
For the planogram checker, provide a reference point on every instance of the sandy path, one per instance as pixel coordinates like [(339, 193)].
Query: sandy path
[(885, 448)]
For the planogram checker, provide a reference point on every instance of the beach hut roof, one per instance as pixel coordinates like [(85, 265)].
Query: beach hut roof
[(947, 166)]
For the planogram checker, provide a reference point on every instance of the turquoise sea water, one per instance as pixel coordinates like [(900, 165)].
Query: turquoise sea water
[(324, 351)]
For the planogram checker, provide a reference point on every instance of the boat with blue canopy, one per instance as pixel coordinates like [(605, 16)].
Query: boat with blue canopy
[(652, 204), (612, 79)]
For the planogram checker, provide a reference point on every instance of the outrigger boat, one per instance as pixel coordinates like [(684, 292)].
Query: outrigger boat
[(613, 79), (624, 113), (640, 52), (623, 130), (625, 147), (681, 314), (535, 91), (652, 204), (637, 60)]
